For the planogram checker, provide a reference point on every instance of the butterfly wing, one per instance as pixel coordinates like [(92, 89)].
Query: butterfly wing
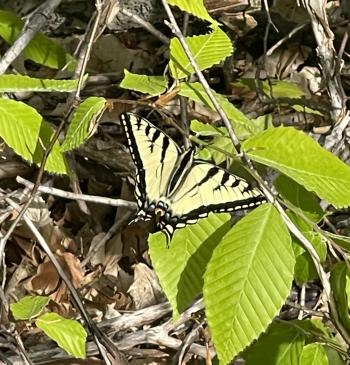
[(208, 188), (155, 156)]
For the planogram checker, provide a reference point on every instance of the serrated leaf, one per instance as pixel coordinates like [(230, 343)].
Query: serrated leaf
[(24, 130), (84, 118), (242, 125), (40, 49), (307, 202), (295, 154), (152, 85), (70, 335), (247, 280), (282, 344), (314, 354), (207, 50), (180, 266), (29, 307), (338, 279), (194, 7), (15, 83)]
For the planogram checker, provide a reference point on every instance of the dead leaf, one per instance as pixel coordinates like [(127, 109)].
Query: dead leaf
[(145, 289)]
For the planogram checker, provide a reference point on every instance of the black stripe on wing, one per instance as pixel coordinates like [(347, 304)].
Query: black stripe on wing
[(140, 189)]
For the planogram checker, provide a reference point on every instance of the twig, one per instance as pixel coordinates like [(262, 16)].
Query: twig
[(187, 343), (285, 38), (34, 24), (73, 196), (327, 56), (146, 25)]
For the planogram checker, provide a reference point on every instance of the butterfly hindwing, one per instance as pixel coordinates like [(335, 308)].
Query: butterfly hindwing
[(209, 188)]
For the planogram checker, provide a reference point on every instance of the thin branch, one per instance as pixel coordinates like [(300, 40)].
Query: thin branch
[(37, 20), (146, 25), (285, 38), (73, 196)]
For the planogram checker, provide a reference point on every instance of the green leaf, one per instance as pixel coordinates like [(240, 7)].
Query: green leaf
[(24, 130), (194, 7), (83, 121), (274, 88), (40, 49), (70, 335), (220, 140), (282, 344), (305, 270), (334, 357), (152, 85), (28, 307), (342, 241), (247, 280), (307, 202), (304, 267), (15, 83), (242, 125), (295, 154), (338, 279), (207, 50), (180, 266), (314, 354)]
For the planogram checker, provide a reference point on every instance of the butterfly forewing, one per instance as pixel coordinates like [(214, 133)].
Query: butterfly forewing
[(154, 154)]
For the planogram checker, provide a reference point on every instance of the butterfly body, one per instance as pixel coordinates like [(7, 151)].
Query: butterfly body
[(173, 186)]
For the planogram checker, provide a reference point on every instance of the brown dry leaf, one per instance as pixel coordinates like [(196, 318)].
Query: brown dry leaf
[(290, 10), (73, 267), (58, 239), (110, 55), (98, 256), (13, 287), (309, 79), (38, 212), (145, 289), (284, 60), (239, 23), (45, 281)]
